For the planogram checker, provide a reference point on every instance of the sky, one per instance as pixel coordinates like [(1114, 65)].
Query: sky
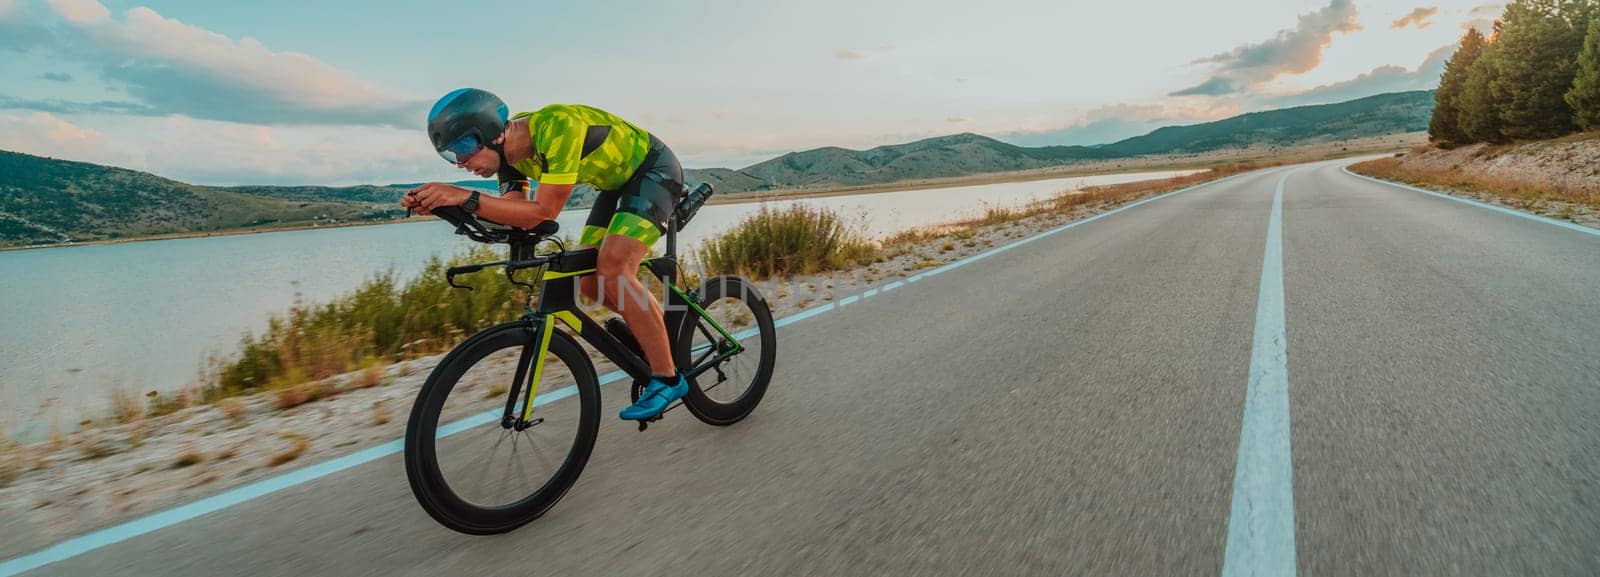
[(335, 92)]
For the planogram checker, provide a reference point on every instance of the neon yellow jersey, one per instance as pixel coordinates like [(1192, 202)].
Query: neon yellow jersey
[(582, 144)]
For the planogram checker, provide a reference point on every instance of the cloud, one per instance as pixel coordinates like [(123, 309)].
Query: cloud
[(235, 153), (226, 153), (19, 29), (1380, 80), (56, 77), (175, 68), (43, 134), (1291, 51), (851, 54), (58, 106), (956, 119), (1490, 10), (1421, 18)]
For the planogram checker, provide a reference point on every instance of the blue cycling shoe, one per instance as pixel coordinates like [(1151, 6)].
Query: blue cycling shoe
[(656, 397)]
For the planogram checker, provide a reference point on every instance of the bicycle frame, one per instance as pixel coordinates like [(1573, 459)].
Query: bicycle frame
[(557, 300)]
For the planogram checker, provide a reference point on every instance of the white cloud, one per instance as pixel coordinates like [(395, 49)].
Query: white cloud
[(222, 153), (80, 11), (44, 134), (225, 153), (1421, 18), (171, 67), (849, 54), (1292, 51), (1378, 81)]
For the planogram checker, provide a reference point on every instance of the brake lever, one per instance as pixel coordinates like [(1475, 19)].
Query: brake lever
[(450, 274), (450, 277)]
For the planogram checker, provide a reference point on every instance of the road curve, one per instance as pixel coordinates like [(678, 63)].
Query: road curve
[(1075, 406)]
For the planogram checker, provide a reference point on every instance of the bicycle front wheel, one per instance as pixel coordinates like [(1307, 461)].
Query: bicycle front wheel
[(734, 371), (485, 452)]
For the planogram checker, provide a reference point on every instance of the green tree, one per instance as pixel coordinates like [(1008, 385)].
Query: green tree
[(1445, 127), (1585, 94), (1535, 64), (1478, 107)]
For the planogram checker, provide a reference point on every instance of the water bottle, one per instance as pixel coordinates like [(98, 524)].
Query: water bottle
[(692, 202)]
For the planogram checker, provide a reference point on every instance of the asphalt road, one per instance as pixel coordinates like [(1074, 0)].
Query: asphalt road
[(1074, 406)]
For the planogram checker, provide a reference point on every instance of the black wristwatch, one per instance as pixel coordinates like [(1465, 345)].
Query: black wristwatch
[(471, 204)]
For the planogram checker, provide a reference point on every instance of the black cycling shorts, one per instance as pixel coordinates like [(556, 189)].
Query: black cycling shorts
[(640, 208)]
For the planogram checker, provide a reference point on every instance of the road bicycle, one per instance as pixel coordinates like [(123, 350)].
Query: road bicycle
[(495, 437)]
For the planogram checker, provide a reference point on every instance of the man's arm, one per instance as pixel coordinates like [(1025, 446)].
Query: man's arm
[(548, 200)]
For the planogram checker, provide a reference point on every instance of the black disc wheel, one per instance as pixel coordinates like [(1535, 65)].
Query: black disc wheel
[(733, 373)]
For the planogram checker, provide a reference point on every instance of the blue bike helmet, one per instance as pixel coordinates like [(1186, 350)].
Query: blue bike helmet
[(464, 121)]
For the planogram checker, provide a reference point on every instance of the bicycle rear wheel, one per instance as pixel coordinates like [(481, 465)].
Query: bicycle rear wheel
[(479, 473), (732, 384)]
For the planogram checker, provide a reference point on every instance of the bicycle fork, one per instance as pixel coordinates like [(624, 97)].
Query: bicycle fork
[(525, 386)]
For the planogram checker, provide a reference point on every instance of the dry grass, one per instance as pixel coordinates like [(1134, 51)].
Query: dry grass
[(371, 376), (189, 457), (235, 409), (97, 446), (125, 407), (13, 462), (158, 404), (1524, 194), (380, 413), (291, 396), (298, 444)]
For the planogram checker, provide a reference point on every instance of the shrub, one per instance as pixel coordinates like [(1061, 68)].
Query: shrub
[(796, 240), (379, 321)]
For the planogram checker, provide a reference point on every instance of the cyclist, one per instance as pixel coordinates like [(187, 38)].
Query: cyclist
[(559, 146)]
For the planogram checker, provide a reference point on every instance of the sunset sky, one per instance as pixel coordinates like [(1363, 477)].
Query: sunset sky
[(335, 92)]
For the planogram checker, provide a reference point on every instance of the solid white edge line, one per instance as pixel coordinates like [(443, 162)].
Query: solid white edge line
[(1480, 204)]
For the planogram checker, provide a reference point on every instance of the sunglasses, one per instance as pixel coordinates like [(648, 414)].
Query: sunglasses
[(462, 149)]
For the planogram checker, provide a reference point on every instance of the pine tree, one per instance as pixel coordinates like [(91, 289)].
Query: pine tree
[(1536, 62), (1445, 127), (1585, 94), (1477, 107)]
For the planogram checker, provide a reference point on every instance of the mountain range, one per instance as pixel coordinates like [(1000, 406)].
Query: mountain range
[(49, 201), (967, 154)]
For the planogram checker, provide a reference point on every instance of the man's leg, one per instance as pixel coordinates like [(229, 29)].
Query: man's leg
[(619, 289)]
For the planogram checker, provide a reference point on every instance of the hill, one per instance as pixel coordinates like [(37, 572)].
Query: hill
[(1372, 116), (48, 201), (967, 154)]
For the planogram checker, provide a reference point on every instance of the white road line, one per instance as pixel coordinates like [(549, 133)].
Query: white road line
[(1500, 209), (1261, 516)]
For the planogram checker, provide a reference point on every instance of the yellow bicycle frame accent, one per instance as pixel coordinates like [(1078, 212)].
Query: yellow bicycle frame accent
[(544, 348), (570, 319), (549, 276), (538, 369)]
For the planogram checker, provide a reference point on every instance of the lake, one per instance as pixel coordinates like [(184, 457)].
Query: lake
[(82, 320)]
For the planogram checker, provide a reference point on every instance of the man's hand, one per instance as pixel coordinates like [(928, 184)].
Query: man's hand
[(425, 198)]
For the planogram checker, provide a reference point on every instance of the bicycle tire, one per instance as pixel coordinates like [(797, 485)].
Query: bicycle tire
[(428, 483), (702, 406)]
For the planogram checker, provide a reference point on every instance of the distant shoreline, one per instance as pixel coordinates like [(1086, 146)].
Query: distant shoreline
[(1121, 166)]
